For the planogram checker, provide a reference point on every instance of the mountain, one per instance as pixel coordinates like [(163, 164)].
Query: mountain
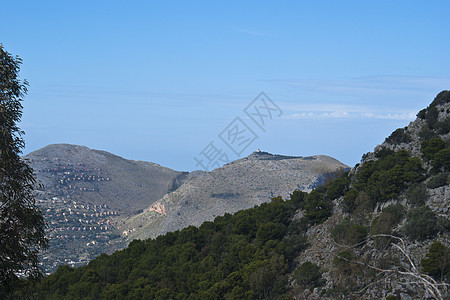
[(239, 185), (98, 177), (84, 193), (380, 231), (97, 202)]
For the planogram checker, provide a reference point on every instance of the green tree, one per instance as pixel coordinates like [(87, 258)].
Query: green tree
[(421, 223), (22, 225), (349, 234), (437, 261), (308, 274), (431, 147), (417, 194)]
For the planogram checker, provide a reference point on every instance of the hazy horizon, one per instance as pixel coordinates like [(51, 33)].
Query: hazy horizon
[(160, 81)]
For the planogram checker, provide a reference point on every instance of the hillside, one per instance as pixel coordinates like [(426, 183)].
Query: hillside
[(239, 185), (97, 202), (83, 194), (99, 177), (380, 231)]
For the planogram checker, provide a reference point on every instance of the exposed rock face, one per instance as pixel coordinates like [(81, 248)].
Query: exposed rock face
[(238, 185), (323, 249), (96, 202)]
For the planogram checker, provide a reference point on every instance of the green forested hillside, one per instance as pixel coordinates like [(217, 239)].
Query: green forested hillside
[(254, 254), (240, 256)]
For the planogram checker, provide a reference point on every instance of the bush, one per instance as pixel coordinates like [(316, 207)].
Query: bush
[(348, 233), (383, 152), (385, 222), (438, 180), (343, 262), (398, 136), (337, 187), (308, 274), (437, 261), (441, 160), (421, 223), (349, 204), (417, 194), (443, 127), (431, 147), (441, 98), (388, 176), (432, 116), (316, 209), (427, 134)]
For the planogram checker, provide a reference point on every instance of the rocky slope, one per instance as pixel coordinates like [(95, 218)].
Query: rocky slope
[(241, 184), (369, 271), (83, 194), (97, 202)]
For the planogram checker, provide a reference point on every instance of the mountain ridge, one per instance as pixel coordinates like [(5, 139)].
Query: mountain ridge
[(97, 202)]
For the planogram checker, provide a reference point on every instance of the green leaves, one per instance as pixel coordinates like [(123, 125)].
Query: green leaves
[(421, 223), (437, 261), (349, 234), (240, 256), (22, 226)]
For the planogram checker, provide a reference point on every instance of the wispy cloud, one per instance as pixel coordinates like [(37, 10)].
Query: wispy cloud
[(408, 116), (374, 85), (376, 97), (295, 111)]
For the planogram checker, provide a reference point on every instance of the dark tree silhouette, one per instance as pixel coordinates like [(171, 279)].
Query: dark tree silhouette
[(22, 226)]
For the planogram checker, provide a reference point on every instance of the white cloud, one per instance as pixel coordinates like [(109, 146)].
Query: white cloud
[(324, 111)]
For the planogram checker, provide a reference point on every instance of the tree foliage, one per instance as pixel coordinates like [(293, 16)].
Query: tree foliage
[(308, 274), (385, 178), (347, 233), (437, 261), (421, 223), (21, 223), (240, 256)]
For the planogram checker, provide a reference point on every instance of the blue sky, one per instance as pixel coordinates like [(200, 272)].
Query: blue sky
[(160, 80)]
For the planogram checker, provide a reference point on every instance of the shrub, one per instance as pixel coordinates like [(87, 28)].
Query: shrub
[(298, 198), (316, 209), (431, 147), (337, 187), (398, 136), (349, 204), (385, 178), (432, 116), (308, 274), (363, 208), (348, 233), (443, 127), (421, 223), (417, 194), (427, 134), (383, 152), (385, 222), (441, 98), (422, 114), (438, 180), (443, 224), (343, 262), (437, 261), (442, 160)]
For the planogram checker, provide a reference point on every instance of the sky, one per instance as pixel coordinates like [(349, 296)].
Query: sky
[(179, 82)]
